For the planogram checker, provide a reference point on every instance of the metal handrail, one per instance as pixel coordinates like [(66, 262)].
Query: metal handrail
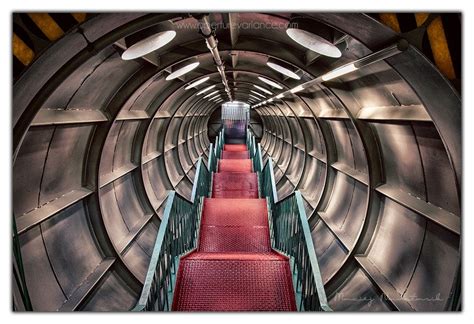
[(291, 235), (19, 272), (219, 145), (177, 235)]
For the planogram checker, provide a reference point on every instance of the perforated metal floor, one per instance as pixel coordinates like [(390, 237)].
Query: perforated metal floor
[(234, 267), (235, 147), (227, 284), (235, 165), (235, 155), (235, 185)]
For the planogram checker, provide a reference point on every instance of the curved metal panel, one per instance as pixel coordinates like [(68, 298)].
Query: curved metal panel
[(128, 202), (28, 169), (96, 91), (64, 162), (71, 247), (39, 274), (112, 295), (63, 94), (401, 159), (359, 294), (397, 244)]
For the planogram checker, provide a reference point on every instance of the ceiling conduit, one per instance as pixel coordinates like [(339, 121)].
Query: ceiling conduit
[(211, 41)]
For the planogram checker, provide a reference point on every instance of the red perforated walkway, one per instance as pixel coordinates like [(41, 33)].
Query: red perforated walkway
[(234, 267)]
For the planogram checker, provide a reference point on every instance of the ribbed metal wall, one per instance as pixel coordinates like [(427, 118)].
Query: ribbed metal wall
[(99, 141)]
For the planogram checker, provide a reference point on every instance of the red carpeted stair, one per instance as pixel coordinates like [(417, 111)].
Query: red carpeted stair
[(234, 267)]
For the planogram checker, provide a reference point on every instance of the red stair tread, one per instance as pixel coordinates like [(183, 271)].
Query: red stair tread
[(234, 181), (235, 165), (235, 185), (235, 147), (235, 212), (233, 285), (245, 256), (234, 239), (231, 194), (235, 155)]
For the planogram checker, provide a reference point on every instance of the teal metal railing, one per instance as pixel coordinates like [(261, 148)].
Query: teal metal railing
[(215, 151), (177, 235), (255, 152), (219, 144), (291, 235), (19, 274)]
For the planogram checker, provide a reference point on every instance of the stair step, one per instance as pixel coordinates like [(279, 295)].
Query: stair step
[(235, 147), (235, 155), (234, 225), (244, 256), (234, 239), (235, 194), (235, 185), (235, 212), (226, 284), (235, 165)]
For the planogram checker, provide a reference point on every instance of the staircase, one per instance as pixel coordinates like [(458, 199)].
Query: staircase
[(234, 267), (234, 245)]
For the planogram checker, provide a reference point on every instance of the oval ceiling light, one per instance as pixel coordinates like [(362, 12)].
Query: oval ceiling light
[(313, 35), (146, 41), (258, 93), (182, 68), (270, 83), (255, 97), (196, 83), (262, 89), (205, 90), (282, 68), (211, 94)]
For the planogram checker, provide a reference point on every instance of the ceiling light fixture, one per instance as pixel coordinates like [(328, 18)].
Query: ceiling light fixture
[(345, 69), (255, 97), (397, 48), (196, 83), (258, 93), (146, 41), (211, 94), (205, 90), (262, 89), (270, 83), (282, 68), (182, 68), (313, 35)]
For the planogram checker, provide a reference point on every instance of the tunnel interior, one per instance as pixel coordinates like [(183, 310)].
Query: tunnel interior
[(99, 141)]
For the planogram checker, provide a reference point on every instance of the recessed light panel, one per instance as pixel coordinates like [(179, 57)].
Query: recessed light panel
[(196, 83), (148, 45), (270, 83), (186, 68), (262, 89), (314, 42)]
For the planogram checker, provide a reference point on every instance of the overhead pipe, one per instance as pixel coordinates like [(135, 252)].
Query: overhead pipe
[(206, 30)]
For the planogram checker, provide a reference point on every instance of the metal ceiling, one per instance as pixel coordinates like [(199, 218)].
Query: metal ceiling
[(99, 141)]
